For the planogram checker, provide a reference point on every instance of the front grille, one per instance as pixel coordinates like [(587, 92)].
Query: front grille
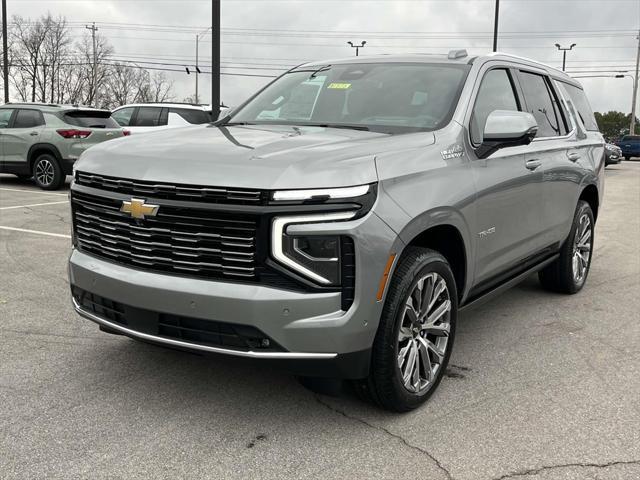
[(179, 240), (170, 191), (194, 330)]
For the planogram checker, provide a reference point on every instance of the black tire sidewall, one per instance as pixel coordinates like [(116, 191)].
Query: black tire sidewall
[(58, 176), (420, 262)]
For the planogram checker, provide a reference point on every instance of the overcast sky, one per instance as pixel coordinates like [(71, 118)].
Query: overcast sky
[(293, 31)]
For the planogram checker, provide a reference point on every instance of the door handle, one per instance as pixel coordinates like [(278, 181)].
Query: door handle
[(573, 156), (33, 134), (533, 164)]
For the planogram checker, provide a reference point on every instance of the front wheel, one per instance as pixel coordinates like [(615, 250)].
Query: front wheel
[(416, 332), (569, 272)]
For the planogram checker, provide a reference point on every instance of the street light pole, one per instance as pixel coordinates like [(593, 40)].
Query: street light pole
[(564, 51), (5, 52), (635, 92), (495, 26), (357, 47), (215, 58)]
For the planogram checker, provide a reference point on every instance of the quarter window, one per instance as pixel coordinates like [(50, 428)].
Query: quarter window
[(28, 119), (5, 116), (582, 105), (123, 116), (541, 105), (496, 93)]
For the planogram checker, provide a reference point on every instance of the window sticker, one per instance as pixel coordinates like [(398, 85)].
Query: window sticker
[(339, 86)]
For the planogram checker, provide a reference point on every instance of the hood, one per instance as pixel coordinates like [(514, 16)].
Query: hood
[(259, 157)]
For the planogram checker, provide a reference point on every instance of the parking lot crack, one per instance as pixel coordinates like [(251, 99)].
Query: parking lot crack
[(535, 471), (389, 433)]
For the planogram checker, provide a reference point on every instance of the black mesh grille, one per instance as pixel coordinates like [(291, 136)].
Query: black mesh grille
[(194, 330), (177, 240), (170, 191)]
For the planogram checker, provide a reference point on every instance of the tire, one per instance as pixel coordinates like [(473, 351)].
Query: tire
[(385, 385), (564, 275), (627, 158), (47, 172)]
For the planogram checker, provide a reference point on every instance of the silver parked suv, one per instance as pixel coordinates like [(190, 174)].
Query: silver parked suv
[(43, 140), (339, 220)]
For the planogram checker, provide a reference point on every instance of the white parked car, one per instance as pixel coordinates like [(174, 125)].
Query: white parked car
[(144, 117)]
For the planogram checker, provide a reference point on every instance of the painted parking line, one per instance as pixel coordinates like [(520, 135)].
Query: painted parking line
[(35, 232), (32, 191), (33, 205)]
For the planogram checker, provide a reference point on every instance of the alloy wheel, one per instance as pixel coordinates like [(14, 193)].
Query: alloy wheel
[(45, 172), (582, 249), (424, 333)]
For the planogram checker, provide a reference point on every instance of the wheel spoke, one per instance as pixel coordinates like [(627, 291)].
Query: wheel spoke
[(425, 361), (405, 333), (438, 289), (585, 237), (410, 313), (429, 345), (402, 354), (443, 308), (409, 365), (441, 330)]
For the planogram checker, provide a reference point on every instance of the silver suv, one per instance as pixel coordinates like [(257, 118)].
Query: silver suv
[(339, 220), (44, 140)]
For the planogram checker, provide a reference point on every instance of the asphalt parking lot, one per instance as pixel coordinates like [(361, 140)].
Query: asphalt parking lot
[(541, 386)]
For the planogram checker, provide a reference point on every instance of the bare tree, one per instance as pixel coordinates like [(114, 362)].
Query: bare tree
[(29, 39), (56, 55)]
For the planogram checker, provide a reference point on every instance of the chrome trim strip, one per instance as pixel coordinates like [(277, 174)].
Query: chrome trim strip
[(196, 346)]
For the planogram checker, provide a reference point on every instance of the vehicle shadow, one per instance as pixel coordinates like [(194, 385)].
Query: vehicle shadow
[(11, 181)]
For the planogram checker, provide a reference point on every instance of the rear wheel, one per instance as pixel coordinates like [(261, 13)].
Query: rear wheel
[(569, 272), (415, 336), (47, 172)]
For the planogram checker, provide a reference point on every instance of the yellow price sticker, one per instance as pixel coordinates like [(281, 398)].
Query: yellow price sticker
[(339, 86)]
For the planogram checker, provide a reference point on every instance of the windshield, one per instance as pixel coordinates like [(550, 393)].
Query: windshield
[(392, 98)]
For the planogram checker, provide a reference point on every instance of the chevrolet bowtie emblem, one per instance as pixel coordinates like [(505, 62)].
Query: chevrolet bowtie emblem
[(138, 209)]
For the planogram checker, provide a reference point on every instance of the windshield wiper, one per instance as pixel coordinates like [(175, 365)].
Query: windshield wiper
[(336, 125)]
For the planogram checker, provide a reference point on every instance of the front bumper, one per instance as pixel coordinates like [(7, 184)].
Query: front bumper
[(316, 336)]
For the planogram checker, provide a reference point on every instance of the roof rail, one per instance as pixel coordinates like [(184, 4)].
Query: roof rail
[(175, 103), (455, 54), (34, 103)]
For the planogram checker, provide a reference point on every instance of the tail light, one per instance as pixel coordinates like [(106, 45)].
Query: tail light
[(73, 133), (126, 133)]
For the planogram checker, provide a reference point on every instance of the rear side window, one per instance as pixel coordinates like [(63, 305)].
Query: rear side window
[(496, 93), (28, 119), (582, 105), (123, 116), (540, 103), (192, 116), (147, 117), (90, 120)]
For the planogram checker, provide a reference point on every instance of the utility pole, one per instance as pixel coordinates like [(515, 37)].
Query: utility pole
[(564, 51), (635, 92), (215, 59), (495, 26), (357, 47), (94, 29), (198, 35), (5, 52), (197, 40)]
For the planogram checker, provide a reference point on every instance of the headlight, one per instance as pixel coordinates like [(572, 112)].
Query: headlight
[(316, 257), (321, 193), (610, 147)]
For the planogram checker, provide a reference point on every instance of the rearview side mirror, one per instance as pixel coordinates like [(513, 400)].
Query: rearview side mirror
[(506, 128)]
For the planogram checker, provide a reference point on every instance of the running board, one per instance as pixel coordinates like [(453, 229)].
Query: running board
[(485, 297)]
